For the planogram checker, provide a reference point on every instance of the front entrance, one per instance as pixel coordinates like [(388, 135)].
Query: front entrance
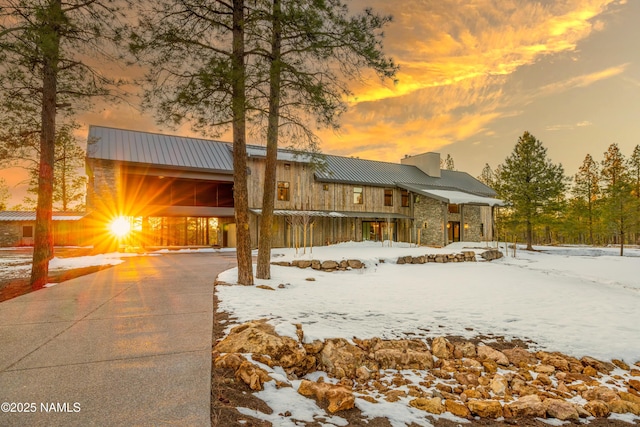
[(453, 231), (378, 231)]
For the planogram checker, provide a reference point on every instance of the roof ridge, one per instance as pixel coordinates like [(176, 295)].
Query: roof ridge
[(159, 134)]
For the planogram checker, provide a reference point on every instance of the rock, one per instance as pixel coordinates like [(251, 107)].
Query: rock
[(466, 379), (400, 260), (620, 364), (252, 375), (590, 371), (486, 352), (634, 384), (355, 264), (314, 347), (464, 349), (491, 254), (544, 369), (490, 366), (310, 279), (329, 265), (519, 356), (629, 397), (561, 409), (418, 260), (260, 337), (344, 264), (282, 263), (229, 360), (316, 264), (433, 405), (582, 413), (394, 395), (604, 367), (340, 398), (527, 406), (340, 359), (600, 393), (301, 263), (265, 287), (544, 379), (485, 408), (623, 407), (402, 354), (363, 373), (281, 286), (553, 359), (456, 408), (499, 385), (597, 408), (442, 348)]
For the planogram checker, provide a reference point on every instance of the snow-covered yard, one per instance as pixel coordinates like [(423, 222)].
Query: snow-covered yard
[(576, 300)]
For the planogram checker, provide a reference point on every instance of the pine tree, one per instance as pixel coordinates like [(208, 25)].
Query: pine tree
[(487, 176), (5, 194), (586, 190), (530, 183), (634, 173), (618, 200)]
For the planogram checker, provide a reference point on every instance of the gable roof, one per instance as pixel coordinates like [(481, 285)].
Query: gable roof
[(159, 150), (216, 156)]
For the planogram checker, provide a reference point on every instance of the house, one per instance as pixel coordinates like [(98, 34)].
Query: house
[(179, 191), (17, 228)]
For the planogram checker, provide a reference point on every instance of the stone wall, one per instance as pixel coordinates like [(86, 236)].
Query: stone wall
[(429, 217), (10, 234), (472, 217), (104, 185)]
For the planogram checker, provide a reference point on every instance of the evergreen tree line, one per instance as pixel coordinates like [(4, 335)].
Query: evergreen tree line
[(598, 205)]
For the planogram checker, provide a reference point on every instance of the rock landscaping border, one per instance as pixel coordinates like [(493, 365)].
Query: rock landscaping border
[(457, 377)]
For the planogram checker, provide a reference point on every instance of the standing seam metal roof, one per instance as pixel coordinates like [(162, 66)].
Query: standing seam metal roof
[(155, 149), (349, 170)]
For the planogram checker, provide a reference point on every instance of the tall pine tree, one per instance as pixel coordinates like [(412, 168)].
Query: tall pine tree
[(634, 175), (618, 201), (530, 183), (586, 190)]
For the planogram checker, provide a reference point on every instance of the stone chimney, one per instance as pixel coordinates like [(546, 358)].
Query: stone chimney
[(428, 163)]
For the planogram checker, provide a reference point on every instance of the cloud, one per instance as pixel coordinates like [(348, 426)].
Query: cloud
[(581, 124)]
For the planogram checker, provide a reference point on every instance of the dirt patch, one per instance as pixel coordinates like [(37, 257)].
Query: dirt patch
[(12, 288)]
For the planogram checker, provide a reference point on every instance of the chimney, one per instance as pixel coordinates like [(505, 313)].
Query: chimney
[(428, 163)]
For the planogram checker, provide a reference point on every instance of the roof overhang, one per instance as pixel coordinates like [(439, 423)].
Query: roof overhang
[(334, 214), (455, 197)]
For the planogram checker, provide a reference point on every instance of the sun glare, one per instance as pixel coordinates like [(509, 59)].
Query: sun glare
[(120, 226)]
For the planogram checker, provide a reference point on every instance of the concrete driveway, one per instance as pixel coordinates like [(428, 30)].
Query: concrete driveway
[(130, 345)]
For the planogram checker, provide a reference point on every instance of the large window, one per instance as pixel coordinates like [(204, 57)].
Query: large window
[(27, 231), (283, 191), (357, 195), (405, 198), (454, 208), (388, 196)]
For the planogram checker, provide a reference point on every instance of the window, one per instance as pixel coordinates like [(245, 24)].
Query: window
[(287, 166), (325, 187), (357, 195), (454, 208), (405, 198), (27, 231), (283, 191), (388, 197)]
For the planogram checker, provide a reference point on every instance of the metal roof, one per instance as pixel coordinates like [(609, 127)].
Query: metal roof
[(160, 150), (350, 170), (31, 216), (334, 214), (284, 155)]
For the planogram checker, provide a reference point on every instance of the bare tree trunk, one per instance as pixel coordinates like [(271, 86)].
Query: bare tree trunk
[(241, 193), (43, 238), (529, 235), (263, 269)]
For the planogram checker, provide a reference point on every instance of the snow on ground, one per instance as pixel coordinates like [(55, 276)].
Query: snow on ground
[(575, 300)]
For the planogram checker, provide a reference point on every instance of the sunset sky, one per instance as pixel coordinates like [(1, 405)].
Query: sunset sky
[(474, 75)]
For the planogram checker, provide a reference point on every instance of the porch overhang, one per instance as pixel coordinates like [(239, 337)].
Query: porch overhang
[(455, 197), (334, 214)]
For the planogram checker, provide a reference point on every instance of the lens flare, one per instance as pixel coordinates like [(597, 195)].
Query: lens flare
[(120, 227)]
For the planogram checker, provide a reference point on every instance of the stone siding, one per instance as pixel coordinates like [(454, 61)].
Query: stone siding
[(104, 185), (10, 234), (472, 217), (430, 212)]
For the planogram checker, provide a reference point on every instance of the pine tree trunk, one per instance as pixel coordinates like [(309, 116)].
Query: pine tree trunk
[(43, 238), (240, 193), (263, 269), (529, 235)]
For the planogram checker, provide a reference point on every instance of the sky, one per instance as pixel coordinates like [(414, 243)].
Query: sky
[(474, 75)]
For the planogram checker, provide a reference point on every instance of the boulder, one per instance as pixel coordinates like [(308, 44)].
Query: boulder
[(553, 359), (355, 264), (301, 263), (457, 408), (519, 356), (442, 348), (629, 397), (260, 337), (229, 361), (282, 263), (491, 254), (464, 349), (486, 352), (527, 406), (600, 393), (485, 408), (339, 397), (604, 367), (418, 260), (252, 375), (400, 260), (499, 385), (401, 354), (341, 359), (316, 264), (433, 405), (623, 407), (466, 379), (329, 265), (634, 384), (597, 408), (561, 409)]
